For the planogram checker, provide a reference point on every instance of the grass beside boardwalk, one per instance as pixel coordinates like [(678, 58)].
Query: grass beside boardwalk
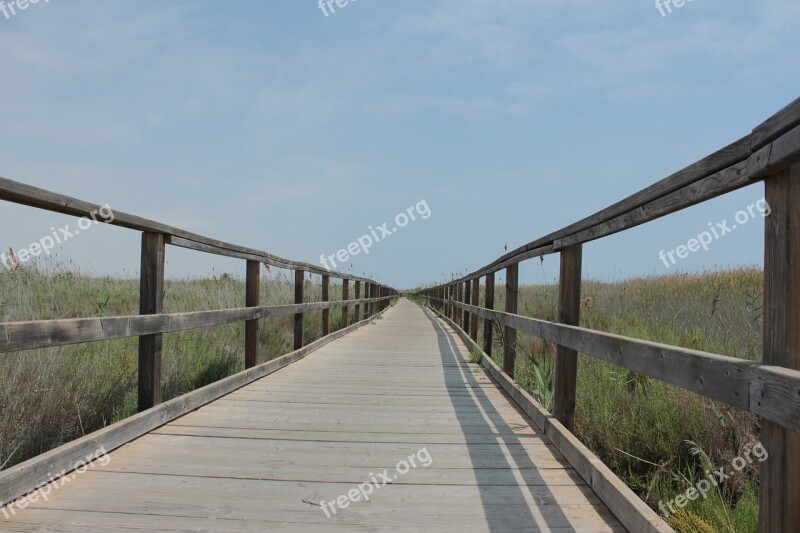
[(653, 435), (52, 396), (646, 431)]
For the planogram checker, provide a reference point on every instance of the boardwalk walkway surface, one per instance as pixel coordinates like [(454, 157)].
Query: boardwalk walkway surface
[(263, 457)]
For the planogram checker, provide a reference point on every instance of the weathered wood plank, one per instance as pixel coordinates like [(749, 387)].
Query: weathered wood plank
[(25, 477), (569, 313), (151, 302), (17, 336), (634, 514), (780, 476), (719, 377), (252, 299)]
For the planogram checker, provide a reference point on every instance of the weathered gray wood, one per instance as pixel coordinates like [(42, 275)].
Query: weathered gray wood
[(634, 514), (25, 477), (732, 154), (467, 300), (17, 336), (357, 307), (151, 302), (23, 194), (776, 156), (727, 180), (476, 295), (719, 377), (346, 308), (488, 325), (299, 298), (775, 126), (252, 299), (780, 475), (509, 333), (326, 313), (242, 461), (569, 312)]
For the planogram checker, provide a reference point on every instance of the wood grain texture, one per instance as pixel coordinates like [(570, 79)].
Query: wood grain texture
[(25, 477), (151, 302), (569, 313), (629, 509), (780, 474), (252, 299), (510, 333), (727, 379), (264, 456), (16, 336), (23, 194)]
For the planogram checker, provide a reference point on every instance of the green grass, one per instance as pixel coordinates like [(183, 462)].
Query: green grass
[(52, 396), (640, 427)]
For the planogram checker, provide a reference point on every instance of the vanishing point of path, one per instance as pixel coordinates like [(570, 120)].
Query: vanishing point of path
[(265, 456)]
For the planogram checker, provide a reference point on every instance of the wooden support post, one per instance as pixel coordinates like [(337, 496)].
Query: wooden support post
[(487, 323), (367, 292), (251, 327), (451, 295), (326, 297), (467, 300), (459, 298), (509, 333), (151, 302), (357, 316), (569, 313), (780, 473), (346, 308), (299, 297), (476, 301)]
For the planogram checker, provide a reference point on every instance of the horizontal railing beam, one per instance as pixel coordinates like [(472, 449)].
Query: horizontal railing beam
[(17, 336), (21, 193), (737, 382)]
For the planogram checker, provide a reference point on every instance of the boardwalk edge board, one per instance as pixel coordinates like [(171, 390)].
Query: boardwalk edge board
[(24, 478), (629, 509)]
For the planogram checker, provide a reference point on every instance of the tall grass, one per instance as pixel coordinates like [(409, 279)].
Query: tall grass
[(49, 397), (641, 428)]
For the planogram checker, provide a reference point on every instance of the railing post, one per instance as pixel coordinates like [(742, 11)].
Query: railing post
[(509, 333), (151, 302), (487, 322), (299, 297), (326, 297), (452, 296), (476, 301), (569, 313), (459, 298), (357, 315), (251, 327), (367, 292), (346, 308), (467, 300), (780, 473)]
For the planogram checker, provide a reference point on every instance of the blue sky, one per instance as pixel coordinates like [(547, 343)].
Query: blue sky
[(270, 125)]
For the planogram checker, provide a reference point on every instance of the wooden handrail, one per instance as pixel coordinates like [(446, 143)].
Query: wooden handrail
[(770, 389), (152, 323)]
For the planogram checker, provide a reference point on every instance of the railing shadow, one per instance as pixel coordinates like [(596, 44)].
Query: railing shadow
[(518, 474)]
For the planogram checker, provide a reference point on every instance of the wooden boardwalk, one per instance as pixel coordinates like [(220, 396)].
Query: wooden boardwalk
[(263, 457)]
